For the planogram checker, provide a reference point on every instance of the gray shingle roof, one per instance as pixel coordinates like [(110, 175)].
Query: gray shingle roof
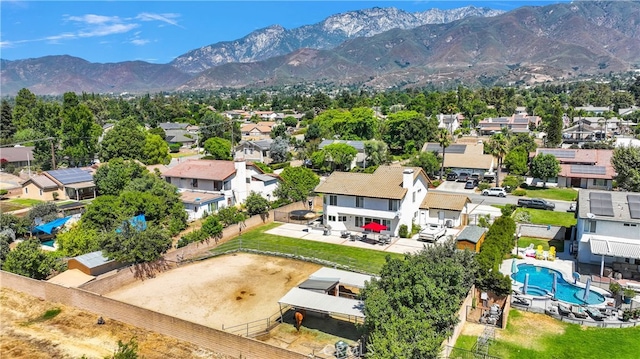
[(471, 234), (93, 259)]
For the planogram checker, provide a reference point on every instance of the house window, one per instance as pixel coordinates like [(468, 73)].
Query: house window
[(168, 179), (194, 183), (414, 197), (590, 227), (387, 222), (393, 204), (333, 200), (359, 222), (360, 202), (227, 185), (630, 225), (26, 190), (248, 180), (332, 218), (41, 192), (342, 218), (598, 182)]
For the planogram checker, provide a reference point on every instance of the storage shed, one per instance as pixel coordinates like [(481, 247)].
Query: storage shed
[(471, 238), (93, 263)]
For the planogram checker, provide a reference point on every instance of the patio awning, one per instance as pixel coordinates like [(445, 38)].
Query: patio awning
[(323, 303), (614, 247), (81, 185)]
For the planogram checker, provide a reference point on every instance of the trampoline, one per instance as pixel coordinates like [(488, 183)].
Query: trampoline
[(302, 214)]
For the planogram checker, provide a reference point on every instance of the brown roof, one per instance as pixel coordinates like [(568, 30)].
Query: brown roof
[(203, 169), (16, 154), (473, 161), (452, 202), (41, 181), (385, 182)]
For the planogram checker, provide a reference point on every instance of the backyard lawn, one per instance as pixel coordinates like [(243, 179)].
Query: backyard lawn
[(553, 218), (561, 194), (525, 241), (366, 260), (17, 203), (531, 335)]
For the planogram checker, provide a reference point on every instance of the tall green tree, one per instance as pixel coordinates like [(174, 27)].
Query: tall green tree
[(23, 111), (444, 140), (218, 148), (498, 146), (155, 150), (545, 166), (112, 177), (125, 140), (28, 260), (131, 245), (78, 132), (376, 153), (626, 162), (428, 161), (279, 150), (77, 241), (7, 128), (256, 204), (340, 155), (517, 161), (407, 131), (297, 184)]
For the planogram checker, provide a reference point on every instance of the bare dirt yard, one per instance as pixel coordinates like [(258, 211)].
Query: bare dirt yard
[(229, 290), (32, 328)]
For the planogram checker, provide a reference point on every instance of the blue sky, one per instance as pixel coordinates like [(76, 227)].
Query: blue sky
[(158, 31)]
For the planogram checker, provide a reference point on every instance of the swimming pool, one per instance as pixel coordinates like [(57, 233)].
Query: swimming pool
[(541, 281)]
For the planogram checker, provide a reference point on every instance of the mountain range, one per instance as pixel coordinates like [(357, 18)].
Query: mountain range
[(378, 48)]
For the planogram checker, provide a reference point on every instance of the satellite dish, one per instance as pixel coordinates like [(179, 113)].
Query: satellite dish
[(591, 215)]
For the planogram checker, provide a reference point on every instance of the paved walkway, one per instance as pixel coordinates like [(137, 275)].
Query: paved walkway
[(397, 245)]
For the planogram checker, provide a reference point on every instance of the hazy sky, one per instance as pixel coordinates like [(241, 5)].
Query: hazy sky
[(158, 31)]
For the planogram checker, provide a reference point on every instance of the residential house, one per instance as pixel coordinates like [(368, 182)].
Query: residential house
[(169, 126), (592, 109), (257, 131), (183, 137), (390, 196), (70, 183), (450, 210), (42, 188), (450, 122), (517, 123), (255, 151), (608, 232), (359, 160), (208, 185), (471, 238), (16, 156), (582, 168), (467, 157)]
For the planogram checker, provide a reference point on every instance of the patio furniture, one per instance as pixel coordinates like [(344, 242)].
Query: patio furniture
[(595, 314), (517, 300), (539, 252), (345, 234), (578, 312), (552, 253), (564, 309)]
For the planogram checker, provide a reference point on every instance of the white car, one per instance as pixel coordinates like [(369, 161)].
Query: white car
[(495, 191), (432, 232)]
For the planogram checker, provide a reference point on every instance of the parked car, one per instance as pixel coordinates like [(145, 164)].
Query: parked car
[(495, 191), (432, 232), (536, 203), (471, 184), (489, 177), (452, 176), (572, 207), (462, 176)]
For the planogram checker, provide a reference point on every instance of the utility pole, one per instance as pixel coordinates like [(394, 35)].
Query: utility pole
[(53, 154)]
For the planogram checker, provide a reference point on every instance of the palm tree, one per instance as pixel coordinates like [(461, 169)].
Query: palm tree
[(444, 139), (498, 147)]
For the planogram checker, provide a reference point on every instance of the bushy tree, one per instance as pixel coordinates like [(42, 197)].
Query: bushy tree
[(339, 155), (7, 128), (46, 211), (77, 241), (545, 166), (517, 161), (112, 177), (413, 305), (428, 161), (256, 204), (626, 162), (78, 131), (408, 127), (212, 227), (230, 215), (297, 184), (279, 150), (28, 260), (279, 131), (129, 244), (125, 141), (376, 153), (155, 150), (218, 148)]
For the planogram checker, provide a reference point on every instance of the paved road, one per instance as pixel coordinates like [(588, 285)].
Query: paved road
[(477, 198)]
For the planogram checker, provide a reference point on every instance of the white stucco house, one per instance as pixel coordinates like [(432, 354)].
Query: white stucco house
[(208, 185), (608, 231), (447, 209), (390, 196)]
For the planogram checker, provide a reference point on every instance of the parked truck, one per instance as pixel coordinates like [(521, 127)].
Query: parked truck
[(432, 232), (536, 203)]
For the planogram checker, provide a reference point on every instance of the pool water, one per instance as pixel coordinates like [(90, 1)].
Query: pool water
[(541, 281), (48, 243)]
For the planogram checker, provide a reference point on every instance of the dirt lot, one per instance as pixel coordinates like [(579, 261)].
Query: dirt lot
[(229, 290), (25, 333)]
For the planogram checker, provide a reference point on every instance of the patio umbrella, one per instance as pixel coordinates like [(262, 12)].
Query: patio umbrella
[(514, 267), (374, 227), (587, 288), (554, 285), (526, 283)]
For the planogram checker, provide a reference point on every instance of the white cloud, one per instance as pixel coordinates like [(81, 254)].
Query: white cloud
[(140, 42), (94, 19), (5, 44), (168, 18), (104, 30)]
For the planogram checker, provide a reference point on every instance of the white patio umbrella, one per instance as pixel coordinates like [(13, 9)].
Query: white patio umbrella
[(526, 284), (514, 267), (587, 288)]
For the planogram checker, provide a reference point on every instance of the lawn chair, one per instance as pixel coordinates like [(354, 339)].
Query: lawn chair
[(595, 314), (539, 252), (578, 312), (552, 253), (564, 309)]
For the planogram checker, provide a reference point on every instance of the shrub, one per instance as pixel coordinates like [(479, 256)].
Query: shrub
[(519, 192), (55, 195), (436, 183), (629, 293), (403, 231), (482, 186), (615, 287), (512, 182), (523, 217), (174, 147), (277, 166), (508, 210)]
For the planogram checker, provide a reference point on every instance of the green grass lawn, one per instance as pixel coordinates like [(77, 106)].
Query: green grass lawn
[(561, 194), (367, 260), (17, 203), (525, 241), (182, 154), (26, 201), (530, 335), (554, 218)]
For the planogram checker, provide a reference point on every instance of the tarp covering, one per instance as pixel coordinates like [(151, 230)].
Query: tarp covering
[(347, 278), (323, 303), (139, 223), (48, 228)]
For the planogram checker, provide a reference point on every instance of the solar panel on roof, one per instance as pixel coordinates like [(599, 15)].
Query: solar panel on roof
[(71, 175), (559, 153), (590, 170), (634, 206), (600, 204), (501, 120), (456, 149), (521, 120)]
